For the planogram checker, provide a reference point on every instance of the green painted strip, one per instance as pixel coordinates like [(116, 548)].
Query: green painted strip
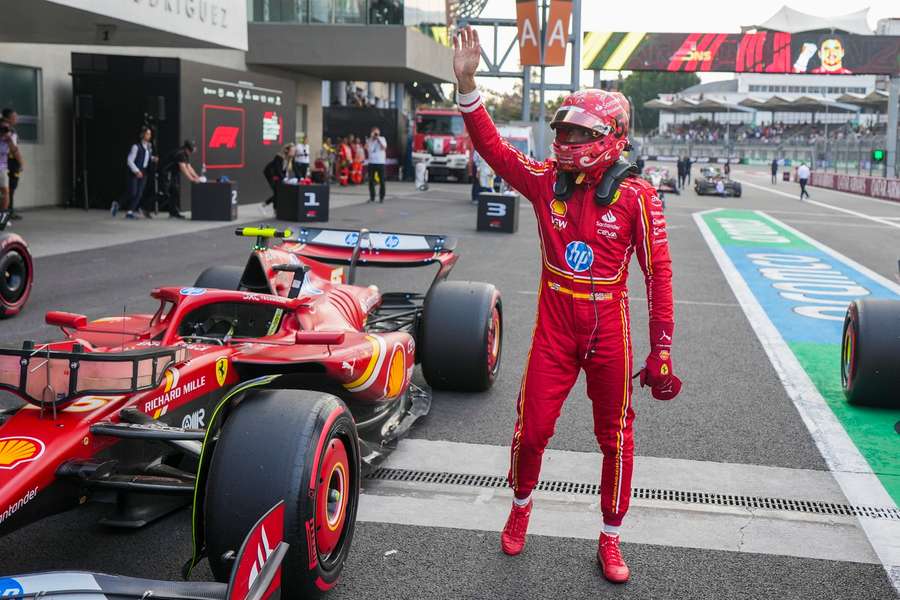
[(607, 50), (753, 236), (871, 429)]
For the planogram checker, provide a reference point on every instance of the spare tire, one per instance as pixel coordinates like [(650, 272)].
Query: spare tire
[(220, 278), (869, 349), (461, 339), (16, 274)]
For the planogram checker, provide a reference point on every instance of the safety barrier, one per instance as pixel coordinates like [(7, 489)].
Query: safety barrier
[(876, 187)]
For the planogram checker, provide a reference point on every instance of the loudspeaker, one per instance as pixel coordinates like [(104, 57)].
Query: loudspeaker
[(84, 106), (156, 107)]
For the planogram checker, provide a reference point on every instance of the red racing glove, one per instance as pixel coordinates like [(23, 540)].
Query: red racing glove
[(657, 371)]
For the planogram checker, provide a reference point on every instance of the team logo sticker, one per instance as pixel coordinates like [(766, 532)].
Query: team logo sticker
[(392, 241), (192, 291), (221, 370), (10, 587), (558, 208), (579, 256), (15, 451)]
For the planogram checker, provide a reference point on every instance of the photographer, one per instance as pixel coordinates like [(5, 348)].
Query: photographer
[(14, 165), (9, 151), (375, 147), (177, 164)]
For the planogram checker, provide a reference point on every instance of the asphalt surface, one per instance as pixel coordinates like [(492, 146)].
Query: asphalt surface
[(733, 408)]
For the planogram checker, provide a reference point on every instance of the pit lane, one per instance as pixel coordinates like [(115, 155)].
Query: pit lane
[(733, 416)]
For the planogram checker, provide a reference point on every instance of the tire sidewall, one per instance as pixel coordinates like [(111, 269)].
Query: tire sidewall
[(242, 490), (10, 243)]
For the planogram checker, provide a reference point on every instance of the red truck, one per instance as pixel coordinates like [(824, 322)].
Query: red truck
[(441, 141)]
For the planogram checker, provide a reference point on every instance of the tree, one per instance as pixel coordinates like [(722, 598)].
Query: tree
[(641, 86), (508, 107)]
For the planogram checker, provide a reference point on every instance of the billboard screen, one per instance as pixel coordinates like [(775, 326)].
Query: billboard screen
[(239, 121), (820, 53)]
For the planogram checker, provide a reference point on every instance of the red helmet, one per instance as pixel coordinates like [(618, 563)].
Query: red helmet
[(606, 114)]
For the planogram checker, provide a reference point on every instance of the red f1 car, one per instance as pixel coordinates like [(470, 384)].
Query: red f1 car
[(16, 271), (279, 380)]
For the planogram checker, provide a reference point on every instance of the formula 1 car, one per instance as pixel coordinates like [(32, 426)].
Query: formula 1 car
[(660, 179), (16, 271), (706, 182), (279, 380), (869, 350), (256, 575)]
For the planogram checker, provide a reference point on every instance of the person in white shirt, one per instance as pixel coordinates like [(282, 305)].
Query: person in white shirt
[(301, 158), (375, 147), (139, 158), (803, 178)]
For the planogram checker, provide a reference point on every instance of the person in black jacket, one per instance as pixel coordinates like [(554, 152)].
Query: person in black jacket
[(774, 170), (681, 174), (279, 168)]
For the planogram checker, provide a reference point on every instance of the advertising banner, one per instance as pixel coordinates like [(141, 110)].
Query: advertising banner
[(557, 35), (876, 187), (239, 121), (529, 25), (818, 53)]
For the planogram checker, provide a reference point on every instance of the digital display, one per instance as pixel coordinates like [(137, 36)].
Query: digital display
[(818, 53), (239, 120)]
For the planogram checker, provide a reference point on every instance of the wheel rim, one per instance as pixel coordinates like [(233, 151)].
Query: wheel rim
[(13, 276), (493, 342), (332, 497), (848, 355)]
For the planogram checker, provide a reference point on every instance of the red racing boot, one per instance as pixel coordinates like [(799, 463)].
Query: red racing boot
[(512, 540), (610, 558)]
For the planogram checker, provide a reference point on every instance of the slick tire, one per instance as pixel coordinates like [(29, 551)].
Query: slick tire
[(737, 191), (461, 340), (869, 349), (16, 274), (220, 278), (293, 445)]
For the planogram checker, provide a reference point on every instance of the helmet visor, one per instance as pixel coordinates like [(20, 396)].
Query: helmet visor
[(577, 116)]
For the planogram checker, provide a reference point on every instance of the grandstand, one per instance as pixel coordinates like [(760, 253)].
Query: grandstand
[(831, 121)]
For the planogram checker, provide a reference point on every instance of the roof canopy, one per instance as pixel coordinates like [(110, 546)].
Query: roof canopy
[(687, 105), (876, 99), (803, 104), (793, 21)]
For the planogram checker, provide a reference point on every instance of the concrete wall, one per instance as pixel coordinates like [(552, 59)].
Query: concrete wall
[(48, 163)]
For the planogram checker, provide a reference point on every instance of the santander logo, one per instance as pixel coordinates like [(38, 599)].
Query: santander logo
[(608, 217)]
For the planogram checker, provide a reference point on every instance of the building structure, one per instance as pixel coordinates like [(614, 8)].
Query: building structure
[(395, 51)]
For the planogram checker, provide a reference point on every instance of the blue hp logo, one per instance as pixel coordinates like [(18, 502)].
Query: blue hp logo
[(10, 587), (579, 256), (392, 241), (351, 238)]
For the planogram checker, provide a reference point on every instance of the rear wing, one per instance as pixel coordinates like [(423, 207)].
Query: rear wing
[(361, 246)]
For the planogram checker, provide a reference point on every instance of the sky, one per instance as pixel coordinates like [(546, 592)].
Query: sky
[(713, 16)]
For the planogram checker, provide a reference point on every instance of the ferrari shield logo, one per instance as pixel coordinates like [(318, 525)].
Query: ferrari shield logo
[(221, 370)]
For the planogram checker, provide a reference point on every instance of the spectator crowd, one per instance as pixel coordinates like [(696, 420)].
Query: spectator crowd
[(706, 131)]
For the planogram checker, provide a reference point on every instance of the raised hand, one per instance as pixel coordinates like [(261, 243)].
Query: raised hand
[(466, 56)]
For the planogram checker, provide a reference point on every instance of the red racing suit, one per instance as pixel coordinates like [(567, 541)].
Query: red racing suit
[(582, 317)]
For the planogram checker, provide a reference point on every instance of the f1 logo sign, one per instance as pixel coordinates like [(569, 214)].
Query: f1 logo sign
[(496, 209), (224, 136), (224, 130)]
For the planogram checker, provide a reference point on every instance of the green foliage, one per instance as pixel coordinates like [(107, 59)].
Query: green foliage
[(641, 86)]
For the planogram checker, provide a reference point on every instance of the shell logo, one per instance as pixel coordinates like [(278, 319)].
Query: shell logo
[(396, 374), (558, 208), (15, 451)]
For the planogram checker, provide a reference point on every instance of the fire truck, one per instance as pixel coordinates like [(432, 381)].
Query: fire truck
[(440, 141)]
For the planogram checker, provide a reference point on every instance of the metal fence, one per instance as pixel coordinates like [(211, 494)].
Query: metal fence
[(850, 156)]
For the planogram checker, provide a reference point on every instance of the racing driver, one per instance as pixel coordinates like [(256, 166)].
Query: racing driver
[(592, 214)]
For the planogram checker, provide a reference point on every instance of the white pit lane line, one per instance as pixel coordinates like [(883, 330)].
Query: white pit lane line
[(882, 220), (849, 468)]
